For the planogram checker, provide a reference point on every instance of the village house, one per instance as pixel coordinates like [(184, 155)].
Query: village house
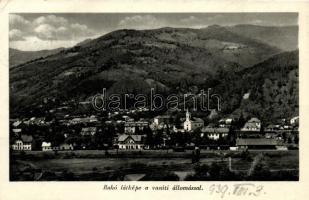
[(46, 146), (214, 133), (226, 122), (294, 120), (66, 147), (84, 120), (110, 122), (287, 127), (273, 135), (272, 127), (273, 131), (40, 121), (88, 131), (177, 129), (192, 123), (162, 119), (18, 145), (16, 123), (17, 131), (23, 144), (76, 120), (254, 124), (161, 122), (130, 127), (130, 142)]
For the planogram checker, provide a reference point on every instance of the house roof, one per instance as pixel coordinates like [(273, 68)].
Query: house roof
[(89, 130), (254, 120), (214, 130), (250, 125), (26, 138), (272, 134), (163, 117), (46, 144), (294, 118), (65, 144), (137, 123), (271, 126), (122, 138), (17, 123), (136, 138), (16, 130), (258, 141), (196, 119), (226, 120)]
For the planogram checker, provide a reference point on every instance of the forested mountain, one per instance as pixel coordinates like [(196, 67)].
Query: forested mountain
[(168, 59), (282, 37), (268, 90)]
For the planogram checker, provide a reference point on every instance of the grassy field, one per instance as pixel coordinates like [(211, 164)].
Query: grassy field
[(86, 164)]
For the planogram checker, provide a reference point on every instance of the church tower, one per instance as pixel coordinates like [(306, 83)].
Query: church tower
[(188, 115)]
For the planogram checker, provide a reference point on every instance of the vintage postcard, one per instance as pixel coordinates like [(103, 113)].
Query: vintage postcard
[(194, 99)]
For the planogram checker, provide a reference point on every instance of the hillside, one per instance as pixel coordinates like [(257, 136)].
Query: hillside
[(284, 38), (269, 90), (266, 34), (17, 57), (168, 59)]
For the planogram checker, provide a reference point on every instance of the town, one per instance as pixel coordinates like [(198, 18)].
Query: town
[(139, 130)]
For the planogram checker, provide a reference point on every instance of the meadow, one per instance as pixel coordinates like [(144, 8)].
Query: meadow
[(100, 165)]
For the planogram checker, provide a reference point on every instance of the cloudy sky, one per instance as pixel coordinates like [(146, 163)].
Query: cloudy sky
[(48, 31)]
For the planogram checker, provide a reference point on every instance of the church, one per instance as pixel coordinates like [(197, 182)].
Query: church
[(192, 123)]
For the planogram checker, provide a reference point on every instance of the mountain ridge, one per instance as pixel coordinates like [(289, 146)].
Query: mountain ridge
[(168, 59)]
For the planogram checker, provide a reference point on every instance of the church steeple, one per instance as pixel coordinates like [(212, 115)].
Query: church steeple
[(188, 116)]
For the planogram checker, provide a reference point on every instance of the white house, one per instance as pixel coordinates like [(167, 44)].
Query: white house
[(225, 122), (23, 144), (294, 120), (192, 123), (18, 145), (254, 124), (46, 146), (214, 133), (17, 123), (130, 142), (16, 130)]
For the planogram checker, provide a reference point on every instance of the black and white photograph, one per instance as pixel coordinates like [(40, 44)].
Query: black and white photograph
[(154, 96)]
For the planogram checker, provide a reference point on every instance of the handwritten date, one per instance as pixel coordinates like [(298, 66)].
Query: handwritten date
[(241, 189)]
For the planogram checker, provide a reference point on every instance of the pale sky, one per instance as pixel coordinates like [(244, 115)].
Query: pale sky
[(31, 32)]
